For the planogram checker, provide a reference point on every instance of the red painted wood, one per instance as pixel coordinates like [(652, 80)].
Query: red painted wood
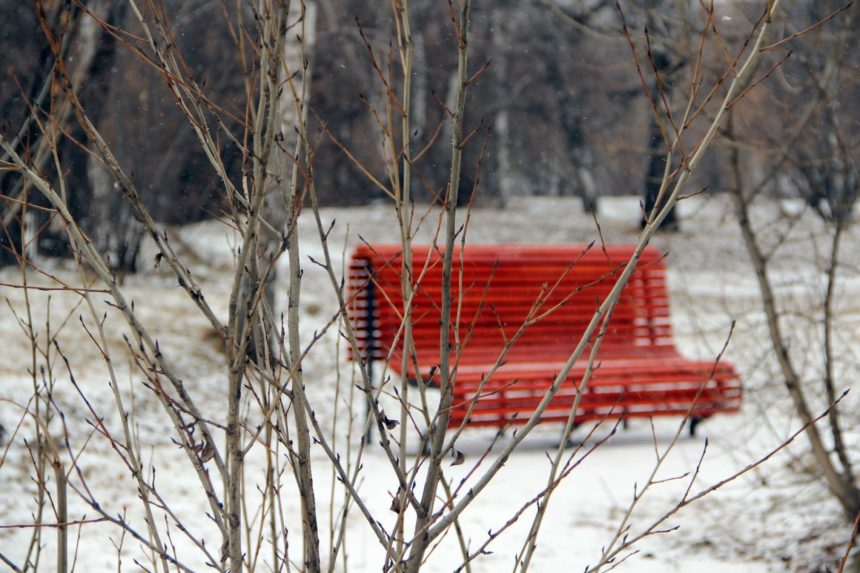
[(544, 297)]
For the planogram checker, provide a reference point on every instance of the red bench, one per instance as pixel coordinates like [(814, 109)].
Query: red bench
[(639, 372)]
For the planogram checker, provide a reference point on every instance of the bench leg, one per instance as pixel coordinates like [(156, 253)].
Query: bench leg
[(368, 414), (368, 405), (694, 423), (570, 442)]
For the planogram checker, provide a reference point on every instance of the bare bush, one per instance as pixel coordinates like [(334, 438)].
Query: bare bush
[(253, 464)]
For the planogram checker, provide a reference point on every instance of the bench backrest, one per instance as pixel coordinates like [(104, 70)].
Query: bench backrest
[(496, 292)]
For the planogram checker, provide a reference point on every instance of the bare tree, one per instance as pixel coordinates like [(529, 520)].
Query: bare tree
[(814, 157)]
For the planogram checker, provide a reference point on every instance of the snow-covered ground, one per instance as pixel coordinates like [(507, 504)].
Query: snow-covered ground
[(774, 518)]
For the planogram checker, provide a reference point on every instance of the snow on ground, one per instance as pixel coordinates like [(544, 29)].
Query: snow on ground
[(774, 518)]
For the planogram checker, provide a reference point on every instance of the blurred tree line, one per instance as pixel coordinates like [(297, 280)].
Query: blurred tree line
[(557, 106)]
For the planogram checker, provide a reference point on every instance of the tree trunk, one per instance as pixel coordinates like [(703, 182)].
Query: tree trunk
[(654, 178), (110, 221), (502, 121), (580, 164), (665, 62)]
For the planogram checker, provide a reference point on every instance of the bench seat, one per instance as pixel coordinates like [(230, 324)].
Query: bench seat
[(638, 371)]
